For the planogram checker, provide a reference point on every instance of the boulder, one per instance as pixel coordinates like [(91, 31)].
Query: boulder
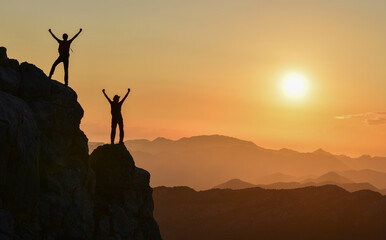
[(124, 203), (114, 168)]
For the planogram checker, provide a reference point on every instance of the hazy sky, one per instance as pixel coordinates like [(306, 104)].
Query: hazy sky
[(214, 67)]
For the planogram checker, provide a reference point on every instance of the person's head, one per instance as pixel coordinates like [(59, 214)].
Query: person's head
[(116, 98), (65, 36)]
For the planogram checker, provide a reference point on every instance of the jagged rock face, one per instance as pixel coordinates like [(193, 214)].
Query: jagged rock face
[(19, 148), (44, 155), (6, 223), (124, 204), (46, 184)]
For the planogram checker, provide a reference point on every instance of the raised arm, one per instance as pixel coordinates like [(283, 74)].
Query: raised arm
[(104, 93), (53, 35), (76, 35), (124, 98)]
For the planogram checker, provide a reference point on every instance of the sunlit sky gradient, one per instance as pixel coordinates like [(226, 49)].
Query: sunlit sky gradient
[(214, 67)]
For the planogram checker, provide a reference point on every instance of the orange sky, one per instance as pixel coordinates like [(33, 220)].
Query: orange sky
[(214, 67)]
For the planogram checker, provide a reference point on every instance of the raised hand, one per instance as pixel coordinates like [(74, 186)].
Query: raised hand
[(53, 35), (76, 35), (128, 90)]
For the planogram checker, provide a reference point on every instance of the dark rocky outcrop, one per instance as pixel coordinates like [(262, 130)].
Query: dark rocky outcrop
[(47, 188), (3, 53), (124, 203)]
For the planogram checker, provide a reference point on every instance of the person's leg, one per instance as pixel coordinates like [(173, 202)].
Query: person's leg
[(65, 63), (59, 60), (121, 133), (113, 128)]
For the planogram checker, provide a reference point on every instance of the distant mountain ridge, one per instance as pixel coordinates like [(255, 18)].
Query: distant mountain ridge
[(318, 213), (330, 178), (235, 184), (378, 179), (216, 158)]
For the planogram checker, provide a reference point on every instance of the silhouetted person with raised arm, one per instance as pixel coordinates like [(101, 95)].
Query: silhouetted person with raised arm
[(116, 115), (64, 54)]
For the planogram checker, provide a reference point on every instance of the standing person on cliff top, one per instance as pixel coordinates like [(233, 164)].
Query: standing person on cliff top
[(64, 54), (116, 115)]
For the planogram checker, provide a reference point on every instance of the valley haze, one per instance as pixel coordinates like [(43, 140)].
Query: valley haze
[(202, 162)]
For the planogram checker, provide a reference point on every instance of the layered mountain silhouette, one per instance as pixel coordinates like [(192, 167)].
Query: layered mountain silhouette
[(235, 184), (280, 177), (218, 158), (330, 178), (50, 188), (376, 178), (325, 212)]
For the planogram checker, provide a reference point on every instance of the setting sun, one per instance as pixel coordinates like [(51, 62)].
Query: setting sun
[(294, 85)]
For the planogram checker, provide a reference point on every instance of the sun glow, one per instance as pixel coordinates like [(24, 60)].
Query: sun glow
[(294, 85)]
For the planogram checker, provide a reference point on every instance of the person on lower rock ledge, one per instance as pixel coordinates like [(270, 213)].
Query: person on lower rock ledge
[(116, 115)]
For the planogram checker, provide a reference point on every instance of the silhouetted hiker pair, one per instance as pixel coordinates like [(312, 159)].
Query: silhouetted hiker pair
[(116, 115), (116, 105), (64, 54)]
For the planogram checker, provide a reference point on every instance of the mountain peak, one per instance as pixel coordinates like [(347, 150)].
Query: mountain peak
[(333, 177), (235, 184), (217, 139), (320, 151), (162, 140)]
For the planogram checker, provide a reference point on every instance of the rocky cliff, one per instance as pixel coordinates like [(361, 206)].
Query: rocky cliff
[(47, 188), (123, 198)]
